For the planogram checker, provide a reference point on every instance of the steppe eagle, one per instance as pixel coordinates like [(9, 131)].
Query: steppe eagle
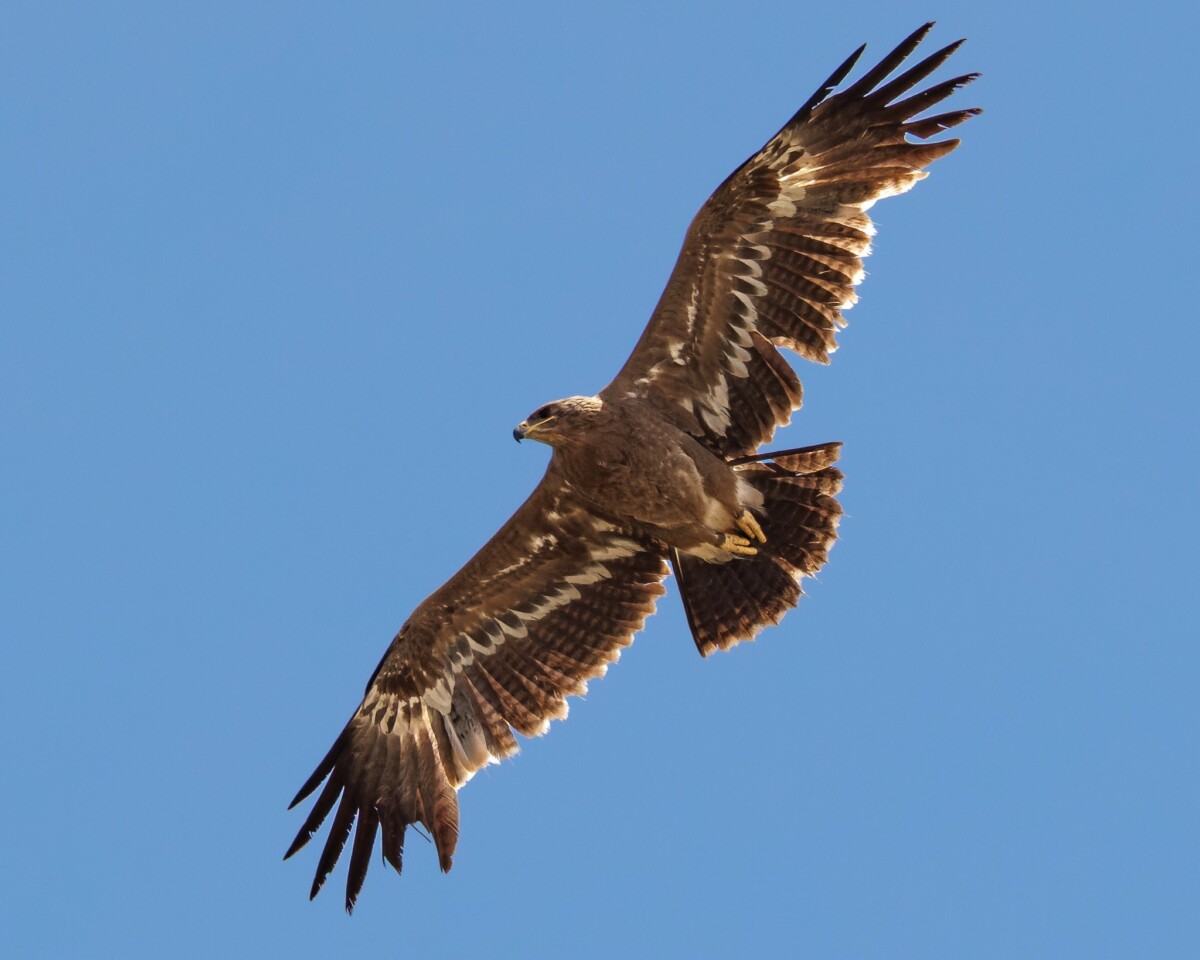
[(660, 472)]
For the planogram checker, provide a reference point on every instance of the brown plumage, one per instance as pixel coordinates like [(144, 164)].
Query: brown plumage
[(662, 467)]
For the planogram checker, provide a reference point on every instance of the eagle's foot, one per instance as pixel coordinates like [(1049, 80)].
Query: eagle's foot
[(732, 543), (749, 526)]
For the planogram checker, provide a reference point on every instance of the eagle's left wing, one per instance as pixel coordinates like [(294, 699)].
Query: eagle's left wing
[(541, 609), (773, 256)]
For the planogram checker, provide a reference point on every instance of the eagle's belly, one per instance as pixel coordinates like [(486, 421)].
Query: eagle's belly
[(664, 482)]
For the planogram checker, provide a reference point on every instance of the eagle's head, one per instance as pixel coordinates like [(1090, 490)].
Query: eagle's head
[(559, 422)]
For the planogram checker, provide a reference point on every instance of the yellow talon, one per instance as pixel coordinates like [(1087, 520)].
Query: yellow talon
[(749, 526), (732, 543)]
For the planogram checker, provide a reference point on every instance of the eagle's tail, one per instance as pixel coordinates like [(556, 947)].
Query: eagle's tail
[(730, 602)]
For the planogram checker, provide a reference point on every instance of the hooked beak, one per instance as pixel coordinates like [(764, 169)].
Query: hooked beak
[(526, 430)]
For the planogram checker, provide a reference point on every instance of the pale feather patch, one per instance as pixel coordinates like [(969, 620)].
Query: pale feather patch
[(492, 635), (782, 207), (510, 569), (385, 712), (736, 367), (719, 395), (534, 545), (551, 601), (756, 287), (438, 696), (752, 265), (892, 188), (794, 186), (517, 629), (713, 422), (593, 574), (751, 311), (714, 406), (716, 515), (710, 552), (748, 495), (615, 549), (468, 745)]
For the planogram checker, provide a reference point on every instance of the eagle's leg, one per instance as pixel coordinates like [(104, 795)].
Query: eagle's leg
[(732, 543), (749, 526)]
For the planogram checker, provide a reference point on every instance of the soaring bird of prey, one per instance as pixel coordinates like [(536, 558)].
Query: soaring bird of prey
[(661, 471)]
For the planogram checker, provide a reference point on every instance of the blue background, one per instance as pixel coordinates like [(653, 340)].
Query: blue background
[(278, 280)]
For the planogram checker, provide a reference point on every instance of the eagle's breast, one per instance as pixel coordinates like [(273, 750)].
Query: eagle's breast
[(641, 469)]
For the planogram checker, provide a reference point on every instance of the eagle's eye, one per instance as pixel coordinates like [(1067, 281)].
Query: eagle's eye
[(542, 413)]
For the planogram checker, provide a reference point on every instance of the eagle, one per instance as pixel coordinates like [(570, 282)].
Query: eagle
[(661, 472)]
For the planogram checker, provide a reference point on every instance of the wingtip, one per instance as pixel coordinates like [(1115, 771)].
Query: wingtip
[(918, 35), (310, 785), (300, 841), (951, 48)]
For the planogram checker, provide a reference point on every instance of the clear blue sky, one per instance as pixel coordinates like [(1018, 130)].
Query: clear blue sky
[(278, 280)]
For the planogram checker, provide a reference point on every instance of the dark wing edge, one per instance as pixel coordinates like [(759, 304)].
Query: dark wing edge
[(775, 253), (545, 606)]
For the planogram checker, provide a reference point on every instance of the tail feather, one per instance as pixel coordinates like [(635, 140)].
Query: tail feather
[(726, 603)]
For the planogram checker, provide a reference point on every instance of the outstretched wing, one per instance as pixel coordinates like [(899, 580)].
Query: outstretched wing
[(543, 608), (773, 256)]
